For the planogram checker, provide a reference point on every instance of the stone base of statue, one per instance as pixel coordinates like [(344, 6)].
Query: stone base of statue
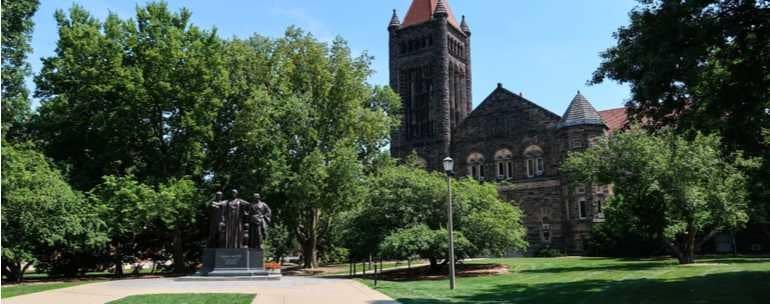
[(233, 264)]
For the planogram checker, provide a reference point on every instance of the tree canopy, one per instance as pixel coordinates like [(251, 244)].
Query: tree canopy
[(701, 66), (42, 215), (667, 187), (161, 100), (16, 34), (135, 96), (405, 212), (301, 125)]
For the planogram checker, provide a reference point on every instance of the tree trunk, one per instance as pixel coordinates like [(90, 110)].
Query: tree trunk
[(308, 235), (689, 246), (117, 258), (118, 265), (309, 253), (178, 254), (12, 271), (434, 265)]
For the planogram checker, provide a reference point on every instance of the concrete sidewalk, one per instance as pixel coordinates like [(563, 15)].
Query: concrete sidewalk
[(288, 290)]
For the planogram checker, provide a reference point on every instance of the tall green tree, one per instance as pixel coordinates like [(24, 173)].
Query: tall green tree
[(405, 213), (677, 190), (302, 126), (16, 34), (701, 66), (132, 97), (124, 96), (41, 214)]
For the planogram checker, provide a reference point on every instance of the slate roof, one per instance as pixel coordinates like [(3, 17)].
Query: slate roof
[(580, 112), (394, 22), (464, 26), (422, 11)]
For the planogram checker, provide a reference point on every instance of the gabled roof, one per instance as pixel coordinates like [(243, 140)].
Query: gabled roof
[(615, 119), (489, 101), (580, 112), (421, 11)]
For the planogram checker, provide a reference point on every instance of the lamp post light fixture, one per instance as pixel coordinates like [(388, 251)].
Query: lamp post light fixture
[(449, 166)]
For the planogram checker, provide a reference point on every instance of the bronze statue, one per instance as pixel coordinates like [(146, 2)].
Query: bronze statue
[(234, 221), (259, 214), (217, 223)]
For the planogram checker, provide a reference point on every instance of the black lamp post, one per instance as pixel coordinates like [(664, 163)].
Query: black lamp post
[(449, 166)]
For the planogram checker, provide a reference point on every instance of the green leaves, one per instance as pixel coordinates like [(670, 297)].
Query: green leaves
[(131, 97), (700, 66), (41, 214), (17, 32), (167, 106), (405, 213), (666, 184), (132, 208), (422, 241)]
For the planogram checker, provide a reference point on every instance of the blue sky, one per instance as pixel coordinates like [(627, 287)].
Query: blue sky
[(546, 49)]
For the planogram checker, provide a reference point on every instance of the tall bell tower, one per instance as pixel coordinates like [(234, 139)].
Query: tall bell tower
[(430, 68)]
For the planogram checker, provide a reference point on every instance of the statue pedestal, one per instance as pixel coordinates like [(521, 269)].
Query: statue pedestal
[(234, 264)]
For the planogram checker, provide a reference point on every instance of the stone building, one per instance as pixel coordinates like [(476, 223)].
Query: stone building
[(507, 139)]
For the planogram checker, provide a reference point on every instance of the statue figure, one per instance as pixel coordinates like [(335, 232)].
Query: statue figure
[(259, 214), (217, 221), (233, 221)]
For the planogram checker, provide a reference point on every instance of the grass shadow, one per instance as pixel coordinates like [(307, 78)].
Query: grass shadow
[(731, 287)]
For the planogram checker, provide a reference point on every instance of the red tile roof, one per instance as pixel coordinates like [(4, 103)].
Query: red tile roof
[(422, 11), (615, 119)]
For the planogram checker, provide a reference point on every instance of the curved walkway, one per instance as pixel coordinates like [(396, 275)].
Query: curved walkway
[(288, 290)]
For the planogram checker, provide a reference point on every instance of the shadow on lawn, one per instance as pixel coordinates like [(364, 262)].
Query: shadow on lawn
[(730, 287), (643, 264), (612, 267)]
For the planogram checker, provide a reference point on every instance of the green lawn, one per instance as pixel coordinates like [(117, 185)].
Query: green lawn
[(599, 280), (203, 298), (17, 290)]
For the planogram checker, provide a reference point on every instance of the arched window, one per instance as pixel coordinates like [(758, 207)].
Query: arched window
[(545, 233), (476, 165), (534, 161), (504, 163)]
